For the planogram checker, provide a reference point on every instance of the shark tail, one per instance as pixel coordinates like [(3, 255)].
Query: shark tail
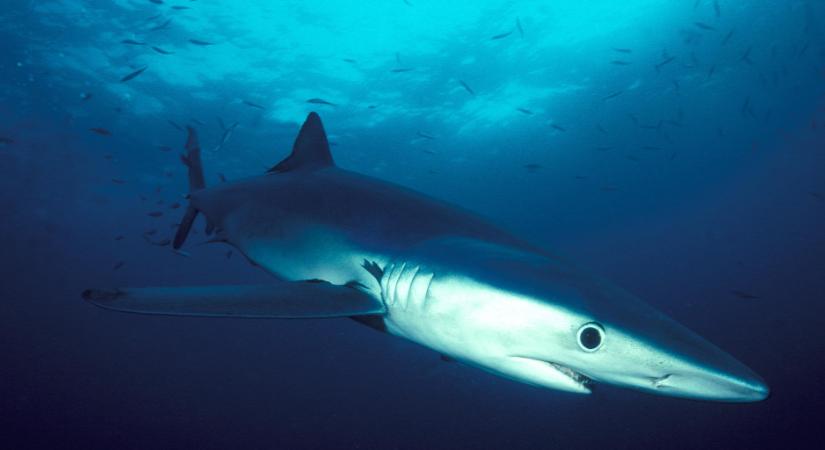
[(192, 160)]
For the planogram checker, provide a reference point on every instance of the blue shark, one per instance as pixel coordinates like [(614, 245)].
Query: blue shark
[(341, 244)]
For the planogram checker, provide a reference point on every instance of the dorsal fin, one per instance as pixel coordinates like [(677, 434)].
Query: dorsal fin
[(310, 150)]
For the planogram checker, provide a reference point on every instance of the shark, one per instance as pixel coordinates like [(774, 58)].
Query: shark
[(340, 244)]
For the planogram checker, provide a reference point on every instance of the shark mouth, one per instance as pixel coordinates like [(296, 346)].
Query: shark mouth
[(580, 379), (550, 374)]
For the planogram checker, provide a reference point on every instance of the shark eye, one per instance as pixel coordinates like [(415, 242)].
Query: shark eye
[(590, 336)]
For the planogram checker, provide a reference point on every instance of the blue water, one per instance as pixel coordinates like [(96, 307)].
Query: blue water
[(676, 148)]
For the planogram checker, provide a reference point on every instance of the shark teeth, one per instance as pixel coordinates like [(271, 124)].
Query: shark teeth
[(582, 380)]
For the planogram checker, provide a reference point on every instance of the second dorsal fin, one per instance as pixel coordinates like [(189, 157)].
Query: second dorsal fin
[(310, 150)]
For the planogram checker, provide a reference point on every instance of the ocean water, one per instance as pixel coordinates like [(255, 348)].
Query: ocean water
[(674, 147)]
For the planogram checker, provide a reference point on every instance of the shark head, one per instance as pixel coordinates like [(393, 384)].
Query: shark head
[(540, 321)]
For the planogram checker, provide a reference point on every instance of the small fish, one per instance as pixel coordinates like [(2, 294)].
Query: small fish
[(181, 253), (466, 87), (155, 214), (222, 177), (320, 101), (161, 26), (424, 135), (727, 37), (622, 50), (118, 181), (118, 265), (558, 128), (157, 2), (633, 158), (609, 188), (200, 42), (180, 8), (525, 111), (132, 42), (704, 26), (175, 125), (501, 36), (164, 148), (619, 62), (694, 60), (601, 128), (227, 132), (196, 121), (651, 147), (120, 237), (253, 105), (613, 95), (602, 148), (804, 48), (746, 109), (657, 127), (85, 96), (746, 57), (162, 51), (744, 295), (711, 71), (229, 254), (150, 232), (133, 74), (518, 27), (160, 243), (401, 70), (664, 62), (532, 167), (817, 196), (175, 205), (6, 141), (101, 131), (349, 60), (716, 8)]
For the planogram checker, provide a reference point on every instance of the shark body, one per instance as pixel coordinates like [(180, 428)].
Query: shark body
[(347, 245)]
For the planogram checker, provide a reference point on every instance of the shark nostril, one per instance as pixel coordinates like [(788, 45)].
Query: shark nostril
[(658, 382)]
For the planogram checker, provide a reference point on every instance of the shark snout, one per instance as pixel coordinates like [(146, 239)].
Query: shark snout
[(741, 386), (748, 389), (672, 360), (704, 372)]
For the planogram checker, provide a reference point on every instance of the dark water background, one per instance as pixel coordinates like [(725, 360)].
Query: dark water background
[(700, 182)]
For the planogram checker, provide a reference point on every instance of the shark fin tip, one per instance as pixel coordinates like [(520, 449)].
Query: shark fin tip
[(310, 150)]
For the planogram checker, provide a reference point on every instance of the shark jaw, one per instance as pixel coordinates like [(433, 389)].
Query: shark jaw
[(582, 380), (545, 373)]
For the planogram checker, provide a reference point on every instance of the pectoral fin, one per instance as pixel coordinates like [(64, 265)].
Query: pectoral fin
[(280, 300)]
